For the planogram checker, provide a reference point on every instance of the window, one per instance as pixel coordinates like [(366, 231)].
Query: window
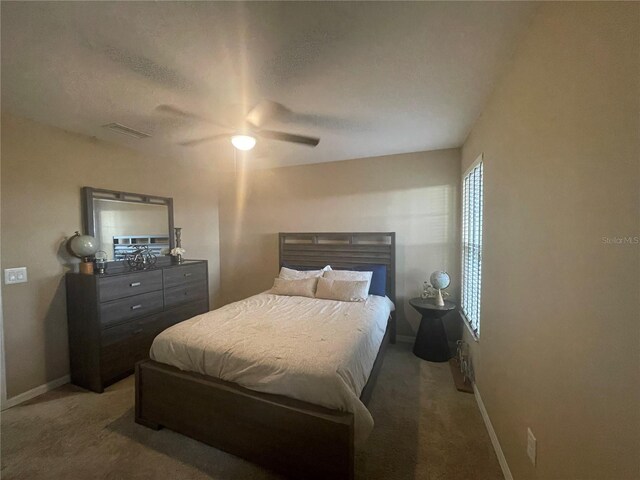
[(472, 245)]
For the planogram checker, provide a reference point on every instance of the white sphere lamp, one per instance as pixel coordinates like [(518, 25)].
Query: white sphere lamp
[(440, 280)]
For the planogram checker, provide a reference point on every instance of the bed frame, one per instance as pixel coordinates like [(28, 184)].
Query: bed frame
[(292, 437)]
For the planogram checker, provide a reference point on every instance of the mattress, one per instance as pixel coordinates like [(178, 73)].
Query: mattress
[(318, 351)]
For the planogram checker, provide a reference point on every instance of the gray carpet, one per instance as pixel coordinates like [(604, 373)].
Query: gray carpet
[(425, 429)]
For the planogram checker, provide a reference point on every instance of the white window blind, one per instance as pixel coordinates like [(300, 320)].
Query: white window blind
[(472, 246)]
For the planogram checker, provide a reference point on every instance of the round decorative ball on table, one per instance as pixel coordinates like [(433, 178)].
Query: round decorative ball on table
[(431, 341)]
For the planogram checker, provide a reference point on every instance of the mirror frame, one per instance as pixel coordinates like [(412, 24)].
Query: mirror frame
[(88, 214)]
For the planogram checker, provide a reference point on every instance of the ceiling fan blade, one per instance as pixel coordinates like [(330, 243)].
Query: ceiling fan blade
[(197, 141), (265, 111), (289, 137)]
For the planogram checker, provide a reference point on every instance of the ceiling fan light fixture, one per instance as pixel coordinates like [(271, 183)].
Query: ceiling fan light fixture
[(243, 142)]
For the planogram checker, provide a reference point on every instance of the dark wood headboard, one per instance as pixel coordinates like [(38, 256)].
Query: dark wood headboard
[(342, 250)]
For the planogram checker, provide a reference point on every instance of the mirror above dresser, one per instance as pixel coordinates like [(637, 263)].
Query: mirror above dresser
[(123, 222)]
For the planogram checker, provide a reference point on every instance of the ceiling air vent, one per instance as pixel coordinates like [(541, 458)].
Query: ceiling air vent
[(116, 127)]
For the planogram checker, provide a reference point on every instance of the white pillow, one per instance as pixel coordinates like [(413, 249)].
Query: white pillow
[(349, 275), (303, 287), (291, 274), (342, 290)]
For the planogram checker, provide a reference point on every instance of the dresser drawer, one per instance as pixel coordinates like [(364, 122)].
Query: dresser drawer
[(147, 326), (184, 294), (118, 333), (118, 311), (177, 276), (120, 286), (187, 311), (124, 345)]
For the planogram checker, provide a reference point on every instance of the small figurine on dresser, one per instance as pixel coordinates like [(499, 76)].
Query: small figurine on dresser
[(141, 258), (100, 261)]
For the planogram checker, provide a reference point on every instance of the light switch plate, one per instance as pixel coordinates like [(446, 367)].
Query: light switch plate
[(15, 275)]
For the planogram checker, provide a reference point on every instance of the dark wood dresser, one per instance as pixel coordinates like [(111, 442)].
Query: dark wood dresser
[(113, 318)]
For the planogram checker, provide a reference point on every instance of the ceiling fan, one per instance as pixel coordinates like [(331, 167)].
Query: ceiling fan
[(245, 137)]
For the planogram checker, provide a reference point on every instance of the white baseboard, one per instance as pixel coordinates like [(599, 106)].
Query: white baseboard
[(34, 392), (492, 435), (405, 339)]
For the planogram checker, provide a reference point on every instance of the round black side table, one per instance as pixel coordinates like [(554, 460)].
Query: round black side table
[(431, 341)]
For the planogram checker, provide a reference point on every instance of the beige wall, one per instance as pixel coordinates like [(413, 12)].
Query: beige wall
[(414, 195), (559, 347), (43, 169)]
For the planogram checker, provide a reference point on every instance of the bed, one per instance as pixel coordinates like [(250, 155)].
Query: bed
[(300, 437)]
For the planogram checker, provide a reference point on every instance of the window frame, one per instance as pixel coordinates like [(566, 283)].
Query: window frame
[(479, 160)]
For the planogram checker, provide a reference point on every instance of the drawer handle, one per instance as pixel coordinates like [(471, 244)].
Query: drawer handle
[(136, 332), (136, 307), (135, 284), (187, 274)]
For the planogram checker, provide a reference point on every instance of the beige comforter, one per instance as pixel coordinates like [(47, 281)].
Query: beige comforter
[(319, 351)]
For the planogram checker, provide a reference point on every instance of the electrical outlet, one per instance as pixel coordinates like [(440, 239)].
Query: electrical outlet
[(531, 446), (15, 275)]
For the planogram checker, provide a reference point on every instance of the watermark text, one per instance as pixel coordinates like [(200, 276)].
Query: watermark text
[(622, 240)]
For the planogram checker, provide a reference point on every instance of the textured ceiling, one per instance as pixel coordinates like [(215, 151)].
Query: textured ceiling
[(368, 78)]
